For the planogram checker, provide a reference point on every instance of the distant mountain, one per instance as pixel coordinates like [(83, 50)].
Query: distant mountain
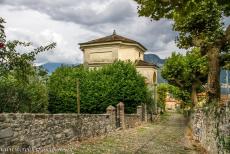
[(50, 67), (152, 58)]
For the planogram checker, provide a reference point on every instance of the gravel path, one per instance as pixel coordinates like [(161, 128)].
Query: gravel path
[(163, 137)]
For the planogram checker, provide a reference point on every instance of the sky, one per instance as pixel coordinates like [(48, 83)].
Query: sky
[(70, 22)]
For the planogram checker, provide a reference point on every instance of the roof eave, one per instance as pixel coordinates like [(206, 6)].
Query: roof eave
[(83, 45)]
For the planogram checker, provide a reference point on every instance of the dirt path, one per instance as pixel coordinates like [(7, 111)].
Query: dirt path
[(164, 137)]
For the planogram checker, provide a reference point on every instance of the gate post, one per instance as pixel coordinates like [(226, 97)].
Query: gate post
[(140, 112), (112, 115), (145, 113), (121, 115)]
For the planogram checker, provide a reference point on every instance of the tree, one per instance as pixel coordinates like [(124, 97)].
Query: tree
[(187, 72), (162, 91), (98, 88), (116, 82), (165, 89), (62, 87), (180, 94), (22, 89), (10, 59), (16, 96), (200, 24)]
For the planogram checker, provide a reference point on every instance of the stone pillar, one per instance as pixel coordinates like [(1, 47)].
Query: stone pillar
[(139, 112), (121, 115), (112, 115), (145, 113)]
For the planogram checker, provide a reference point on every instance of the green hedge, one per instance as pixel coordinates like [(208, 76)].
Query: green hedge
[(98, 88)]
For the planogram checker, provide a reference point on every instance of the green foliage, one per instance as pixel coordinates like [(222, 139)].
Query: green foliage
[(225, 61), (149, 100), (196, 65), (157, 9), (175, 92), (10, 59), (173, 70), (22, 85), (16, 96), (187, 72), (63, 88), (180, 94), (199, 24), (225, 141), (183, 71), (98, 88), (162, 90)]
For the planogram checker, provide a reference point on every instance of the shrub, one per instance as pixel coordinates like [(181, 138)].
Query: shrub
[(98, 88)]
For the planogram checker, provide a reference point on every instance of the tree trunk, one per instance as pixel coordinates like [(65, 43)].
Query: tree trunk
[(194, 94), (213, 89)]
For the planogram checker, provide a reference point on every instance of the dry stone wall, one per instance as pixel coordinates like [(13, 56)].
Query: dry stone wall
[(212, 129), (38, 130), (25, 130), (223, 131), (132, 120)]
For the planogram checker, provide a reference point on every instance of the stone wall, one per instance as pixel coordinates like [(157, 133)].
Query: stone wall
[(37, 130), (212, 129), (224, 129), (25, 130), (132, 120)]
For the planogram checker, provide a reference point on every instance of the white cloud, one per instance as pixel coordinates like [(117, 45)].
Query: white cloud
[(167, 50), (71, 22)]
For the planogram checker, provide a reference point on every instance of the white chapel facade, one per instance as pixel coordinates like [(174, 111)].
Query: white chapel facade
[(114, 47)]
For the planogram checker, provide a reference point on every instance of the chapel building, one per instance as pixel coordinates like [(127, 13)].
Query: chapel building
[(114, 47)]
